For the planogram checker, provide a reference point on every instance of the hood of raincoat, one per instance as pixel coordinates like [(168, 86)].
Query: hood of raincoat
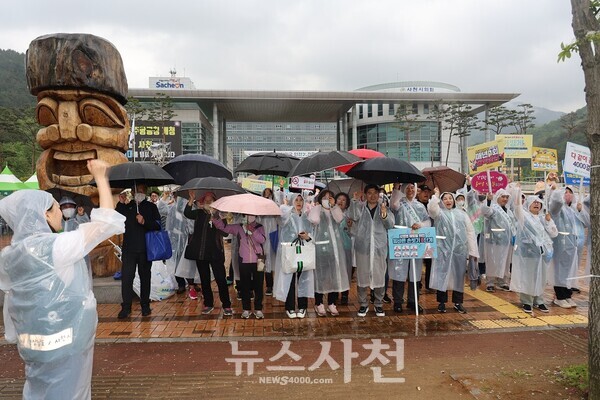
[(502, 192), (25, 212), (442, 206), (532, 199)]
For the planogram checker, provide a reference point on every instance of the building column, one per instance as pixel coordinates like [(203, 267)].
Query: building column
[(224, 142), (354, 128), (338, 139), (345, 131), (215, 123)]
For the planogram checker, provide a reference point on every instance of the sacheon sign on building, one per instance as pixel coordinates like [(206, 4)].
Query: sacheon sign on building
[(175, 83)]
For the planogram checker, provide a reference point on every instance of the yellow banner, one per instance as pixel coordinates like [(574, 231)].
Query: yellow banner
[(516, 146), (543, 159), (485, 156), (255, 185)]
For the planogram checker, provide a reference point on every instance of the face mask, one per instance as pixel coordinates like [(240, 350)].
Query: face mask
[(68, 213), (325, 203), (460, 203), (139, 197), (481, 197)]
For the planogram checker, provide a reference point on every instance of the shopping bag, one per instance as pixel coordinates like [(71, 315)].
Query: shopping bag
[(297, 256), (158, 245)]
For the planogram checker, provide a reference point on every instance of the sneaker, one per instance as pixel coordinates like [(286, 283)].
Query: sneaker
[(123, 313), (259, 314), (459, 307), (320, 310), (505, 287), (542, 307), (146, 310), (483, 277), (490, 289), (301, 313), (362, 312), (246, 314), (227, 312), (571, 302), (291, 314), (442, 308), (398, 308), (386, 299), (379, 312), (193, 293), (527, 308), (117, 276), (269, 291), (562, 303), (333, 310), (207, 310)]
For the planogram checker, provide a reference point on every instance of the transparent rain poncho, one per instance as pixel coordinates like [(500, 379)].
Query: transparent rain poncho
[(456, 242), (331, 272), (290, 225), (49, 307), (269, 224), (571, 238), (407, 212), (498, 236), (533, 250), (371, 244)]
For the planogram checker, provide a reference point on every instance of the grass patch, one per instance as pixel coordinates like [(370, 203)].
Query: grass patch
[(575, 376)]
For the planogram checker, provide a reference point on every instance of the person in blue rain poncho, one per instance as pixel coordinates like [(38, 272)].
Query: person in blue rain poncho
[(570, 218), (331, 272), (372, 221), (49, 306), (456, 245), (293, 224), (410, 213), (498, 236), (532, 254)]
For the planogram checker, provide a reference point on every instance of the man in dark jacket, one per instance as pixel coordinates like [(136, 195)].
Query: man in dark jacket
[(206, 247), (141, 216)]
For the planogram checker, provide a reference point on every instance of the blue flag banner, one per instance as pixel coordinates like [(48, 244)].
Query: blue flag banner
[(405, 243)]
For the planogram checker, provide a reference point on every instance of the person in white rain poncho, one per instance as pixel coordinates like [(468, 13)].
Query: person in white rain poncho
[(532, 254), (178, 227), (410, 213), (269, 224), (331, 272), (456, 245), (570, 218), (371, 222), (498, 236), (293, 225), (49, 307)]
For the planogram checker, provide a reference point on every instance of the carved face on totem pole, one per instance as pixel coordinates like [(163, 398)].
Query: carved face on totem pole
[(80, 84)]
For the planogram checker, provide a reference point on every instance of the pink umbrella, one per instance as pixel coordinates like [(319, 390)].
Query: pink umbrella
[(365, 154), (247, 203)]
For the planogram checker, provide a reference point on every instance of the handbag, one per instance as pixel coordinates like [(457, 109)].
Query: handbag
[(158, 245), (298, 256)]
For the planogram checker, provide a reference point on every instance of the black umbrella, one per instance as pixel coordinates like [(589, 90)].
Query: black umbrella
[(189, 166), (384, 170), (219, 186), (129, 174), (346, 185), (269, 163), (322, 160)]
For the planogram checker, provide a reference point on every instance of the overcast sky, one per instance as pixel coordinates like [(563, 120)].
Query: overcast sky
[(478, 45)]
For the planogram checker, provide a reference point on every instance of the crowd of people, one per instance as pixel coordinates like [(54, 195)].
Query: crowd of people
[(505, 241)]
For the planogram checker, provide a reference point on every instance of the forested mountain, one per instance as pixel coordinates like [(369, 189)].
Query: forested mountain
[(13, 85)]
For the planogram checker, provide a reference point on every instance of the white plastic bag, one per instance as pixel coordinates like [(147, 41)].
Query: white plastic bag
[(162, 284), (297, 257)]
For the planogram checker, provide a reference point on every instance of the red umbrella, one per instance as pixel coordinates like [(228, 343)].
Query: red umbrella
[(365, 154)]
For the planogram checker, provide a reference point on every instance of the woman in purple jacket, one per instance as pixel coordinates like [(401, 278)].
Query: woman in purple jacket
[(251, 237)]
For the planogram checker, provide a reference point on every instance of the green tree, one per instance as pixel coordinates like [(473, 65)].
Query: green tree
[(523, 119), (459, 122), (586, 26), (161, 112), (406, 122), (499, 118)]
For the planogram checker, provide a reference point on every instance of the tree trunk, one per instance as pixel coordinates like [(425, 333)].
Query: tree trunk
[(448, 150), (585, 21)]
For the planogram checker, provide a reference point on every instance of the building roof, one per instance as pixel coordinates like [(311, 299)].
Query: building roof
[(308, 106)]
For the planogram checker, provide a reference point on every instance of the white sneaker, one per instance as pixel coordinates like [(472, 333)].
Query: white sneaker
[(571, 302), (562, 303), (246, 314), (333, 310), (301, 313), (291, 314), (259, 314)]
